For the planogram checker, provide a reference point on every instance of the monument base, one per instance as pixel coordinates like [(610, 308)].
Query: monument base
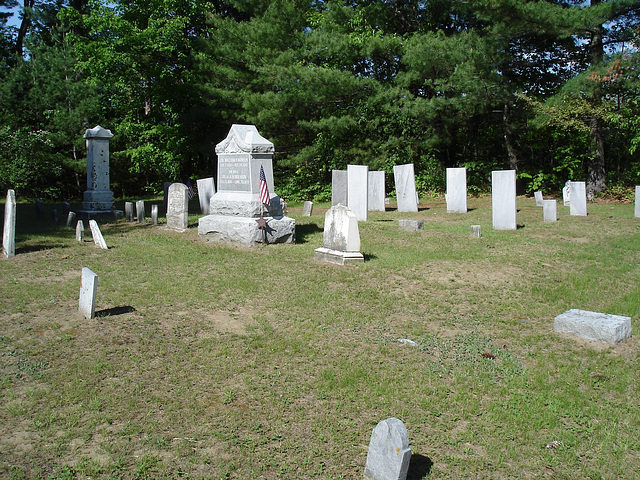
[(244, 231), (337, 257), (244, 205)]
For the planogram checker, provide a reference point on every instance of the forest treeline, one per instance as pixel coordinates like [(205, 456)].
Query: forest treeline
[(549, 88)]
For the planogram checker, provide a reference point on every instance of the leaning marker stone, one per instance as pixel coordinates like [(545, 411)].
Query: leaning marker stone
[(389, 453), (80, 231), (97, 235), (71, 216), (88, 290), (593, 325), (9, 231)]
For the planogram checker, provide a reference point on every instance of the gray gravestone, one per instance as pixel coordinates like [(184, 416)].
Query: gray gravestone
[(98, 239), (456, 195), (341, 238), (539, 199), (70, 218), (358, 190), (98, 197), (636, 209), (140, 211), (593, 325), (307, 209), (410, 225), (503, 199), (9, 230), (128, 211), (578, 199), (566, 194), (475, 231), (550, 210), (339, 187), (389, 453), (376, 192), (206, 190), (406, 194), (178, 207), (80, 231), (154, 214), (88, 291)]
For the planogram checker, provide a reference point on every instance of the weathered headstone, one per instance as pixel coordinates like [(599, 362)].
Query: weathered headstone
[(39, 208), (593, 325), (539, 199), (206, 190), (98, 197), (9, 230), (406, 194), (550, 210), (358, 190), (389, 452), (475, 231), (98, 239), (128, 211), (566, 193), (636, 209), (80, 231), (339, 187), (578, 196), (307, 209), (503, 199), (178, 207), (154, 214), (409, 225), (88, 292), (376, 192), (70, 218), (140, 211), (341, 239), (456, 195)]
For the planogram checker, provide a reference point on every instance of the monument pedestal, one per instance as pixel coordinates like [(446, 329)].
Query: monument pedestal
[(337, 257), (245, 231)]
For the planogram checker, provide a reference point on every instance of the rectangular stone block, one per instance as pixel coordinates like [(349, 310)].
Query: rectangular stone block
[(128, 211), (88, 291), (456, 195), (578, 199), (539, 199), (9, 229), (140, 211), (178, 207), (406, 194), (410, 225), (358, 190), (602, 327), (636, 209), (376, 191), (307, 209), (550, 210), (339, 187), (154, 214), (503, 199), (71, 216), (80, 231), (475, 231), (206, 190)]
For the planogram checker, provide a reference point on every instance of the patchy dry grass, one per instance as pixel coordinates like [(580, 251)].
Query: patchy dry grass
[(210, 361)]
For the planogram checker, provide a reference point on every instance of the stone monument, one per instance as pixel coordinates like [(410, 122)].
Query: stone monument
[(238, 213), (339, 187), (406, 194), (376, 192), (9, 230), (206, 190), (389, 453), (578, 199), (341, 239), (178, 207), (98, 198), (456, 195), (358, 190), (503, 199)]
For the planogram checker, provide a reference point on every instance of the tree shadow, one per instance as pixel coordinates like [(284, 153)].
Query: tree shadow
[(110, 312), (419, 467), (35, 248), (304, 231)]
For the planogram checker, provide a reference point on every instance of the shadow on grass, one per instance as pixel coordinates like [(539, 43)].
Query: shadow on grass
[(111, 312), (369, 256), (35, 248), (419, 467), (304, 231)]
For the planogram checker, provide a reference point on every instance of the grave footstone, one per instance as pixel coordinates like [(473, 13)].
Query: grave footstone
[(406, 194), (339, 187), (636, 209), (71, 216), (539, 199), (476, 231), (98, 197), (206, 190), (307, 209), (178, 207), (341, 238), (358, 190), (80, 231), (154, 214), (88, 292), (9, 230), (578, 196), (456, 195), (503, 199), (566, 194), (140, 211), (98, 239), (376, 192), (389, 453), (550, 210), (593, 325), (409, 225), (128, 211)]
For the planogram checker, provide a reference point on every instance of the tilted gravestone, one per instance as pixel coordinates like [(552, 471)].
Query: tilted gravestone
[(70, 218), (358, 190), (9, 230), (593, 325), (389, 454), (539, 199), (206, 190), (406, 194), (88, 291), (341, 238), (376, 192), (307, 209), (98, 197), (140, 211), (503, 199), (456, 195), (80, 231), (98, 239), (578, 196), (178, 207), (550, 210), (339, 187)]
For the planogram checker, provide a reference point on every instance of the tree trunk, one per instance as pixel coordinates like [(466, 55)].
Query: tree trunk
[(506, 127), (27, 13), (596, 176)]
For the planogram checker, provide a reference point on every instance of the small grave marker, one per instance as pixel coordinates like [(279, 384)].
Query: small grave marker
[(70, 218), (389, 453), (339, 187), (307, 209), (602, 327), (566, 194), (88, 291), (476, 231), (98, 239), (154, 214), (578, 196), (410, 225), (178, 207), (128, 211), (140, 211), (9, 230), (550, 210), (206, 190), (376, 192), (80, 231), (503, 199), (539, 199), (456, 195), (341, 239)]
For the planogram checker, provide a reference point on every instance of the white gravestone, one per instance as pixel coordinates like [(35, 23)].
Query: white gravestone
[(503, 199), (71, 216), (307, 209), (178, 207), (341, 238), (128, 211), (206, 190), (339, 187), (154, 214), (358, 190), (578, 196), (406, 194), (98, 197), (80, 231), (593, 325), (636, 209), (88, 291), (376, 192), (475, 231), (566, 194), (98, 239), (9, 230), (389, 453), (456, 195), (550, 210), (140, 211), (539, 199)]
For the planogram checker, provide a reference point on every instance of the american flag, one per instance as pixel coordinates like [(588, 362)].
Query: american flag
[(190, 187), (264, 190)]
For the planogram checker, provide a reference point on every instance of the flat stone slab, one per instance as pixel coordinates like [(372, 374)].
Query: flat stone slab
[(337, 257), (410, 225), (602, 327)]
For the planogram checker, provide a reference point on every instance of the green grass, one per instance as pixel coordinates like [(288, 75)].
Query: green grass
[(213, 361)]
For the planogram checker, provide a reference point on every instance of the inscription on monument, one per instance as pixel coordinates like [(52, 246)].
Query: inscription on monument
[(233, 173)]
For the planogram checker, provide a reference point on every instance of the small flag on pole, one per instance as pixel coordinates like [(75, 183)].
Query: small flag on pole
[(264, 190), (190, 187)]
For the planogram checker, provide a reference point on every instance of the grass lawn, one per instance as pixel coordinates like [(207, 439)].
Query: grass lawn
[(221, 362)]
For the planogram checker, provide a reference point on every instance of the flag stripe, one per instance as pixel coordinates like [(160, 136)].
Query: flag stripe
[(264, 190)]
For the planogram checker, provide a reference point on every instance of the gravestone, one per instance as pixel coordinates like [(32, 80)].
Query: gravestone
[(9, 230), (98, 239), (389, 454), (237, 214), (341, 238), (410, 225), (140, 211), (128, 211), (636, 209), (80, 231), (406, 194), (475, 231), (70, 218), (539, 199), (39, 208), (154, 214), (98, 197), (566, 193), (178, 207), (550, 210), (593, 325), (376, 192), (88, 291), (206, 190), (503, 199), (578, 196), (339, 187), (307, 209), (358, 190), (456, 195)]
